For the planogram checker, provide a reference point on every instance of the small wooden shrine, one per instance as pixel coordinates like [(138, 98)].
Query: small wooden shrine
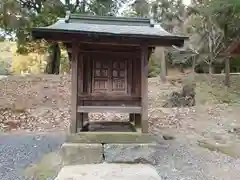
[(109, 61)]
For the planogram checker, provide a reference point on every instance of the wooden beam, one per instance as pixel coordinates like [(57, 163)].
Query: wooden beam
[(109, 98), (115, 109), (113, 47), (144, 89), (74, 66), (109, 52)]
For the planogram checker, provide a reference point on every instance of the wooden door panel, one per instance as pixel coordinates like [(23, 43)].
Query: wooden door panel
[(109, 76)]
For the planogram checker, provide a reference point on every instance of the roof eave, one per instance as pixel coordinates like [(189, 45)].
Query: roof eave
[(43, 33)]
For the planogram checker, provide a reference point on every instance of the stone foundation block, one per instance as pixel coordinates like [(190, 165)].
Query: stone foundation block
[(79, 153), (131, 153)]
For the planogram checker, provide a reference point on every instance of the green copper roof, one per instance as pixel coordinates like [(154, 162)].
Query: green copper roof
[(106, 25)]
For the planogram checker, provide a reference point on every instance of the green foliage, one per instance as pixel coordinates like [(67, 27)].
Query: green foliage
[(223, 16), (32, 63), (226, 14), (35, 63), (6, 57), (17, 17), (141, 8), (235, 64), (64, 62), (166, 11), (153, 68), (2, 38)]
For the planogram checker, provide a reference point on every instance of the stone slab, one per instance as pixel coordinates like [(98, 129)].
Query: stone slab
[(108, 172), (110, 137), (74, 153), (131, 153), (108, 126)]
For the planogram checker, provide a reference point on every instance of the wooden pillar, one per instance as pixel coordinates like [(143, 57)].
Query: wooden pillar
[(74, 66), (227, 72), (144, 89), (131, 117), (81, 116)]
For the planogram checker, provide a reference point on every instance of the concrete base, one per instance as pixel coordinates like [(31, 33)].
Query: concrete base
[(79, 153), (108, 172), (110, 147)]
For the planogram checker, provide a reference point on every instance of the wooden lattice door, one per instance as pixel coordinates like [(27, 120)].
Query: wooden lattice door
[(109, 76), (100, 76)]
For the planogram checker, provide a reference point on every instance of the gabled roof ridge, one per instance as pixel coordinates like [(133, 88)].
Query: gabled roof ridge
[(83, 16), (119, 19)]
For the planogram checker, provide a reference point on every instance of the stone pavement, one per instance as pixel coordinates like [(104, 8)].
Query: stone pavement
[(108, 172)]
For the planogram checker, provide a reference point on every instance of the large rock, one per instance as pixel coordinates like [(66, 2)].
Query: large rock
[(130, 153), (78, 153), (108, 172), (185, 98)]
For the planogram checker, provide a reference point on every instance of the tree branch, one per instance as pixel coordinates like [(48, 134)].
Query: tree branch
[(31, 4)]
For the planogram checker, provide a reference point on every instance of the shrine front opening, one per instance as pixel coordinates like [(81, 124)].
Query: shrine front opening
[(109, 65), (110, 78)]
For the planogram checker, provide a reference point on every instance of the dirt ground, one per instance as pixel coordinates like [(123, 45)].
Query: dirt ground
[(213, 123), (42, 103)]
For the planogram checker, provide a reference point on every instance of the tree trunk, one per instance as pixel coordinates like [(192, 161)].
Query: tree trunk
[(163, 73), (53, 64), (210, 68), (227, 72), (181, 68), (227, 63), (83, 6), (193, 64)]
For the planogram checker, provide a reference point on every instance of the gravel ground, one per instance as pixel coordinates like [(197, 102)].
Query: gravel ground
[(181, 160), (17, 151), (177, 160)]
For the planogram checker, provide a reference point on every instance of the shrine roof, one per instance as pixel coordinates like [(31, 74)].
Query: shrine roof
[(138, 28)]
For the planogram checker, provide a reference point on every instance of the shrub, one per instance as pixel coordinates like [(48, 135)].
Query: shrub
[(32, 63), (4, 68), (20, 63), (153, 68)]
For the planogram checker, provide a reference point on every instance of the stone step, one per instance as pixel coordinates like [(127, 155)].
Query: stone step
[(81, 153), (108, 172)]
